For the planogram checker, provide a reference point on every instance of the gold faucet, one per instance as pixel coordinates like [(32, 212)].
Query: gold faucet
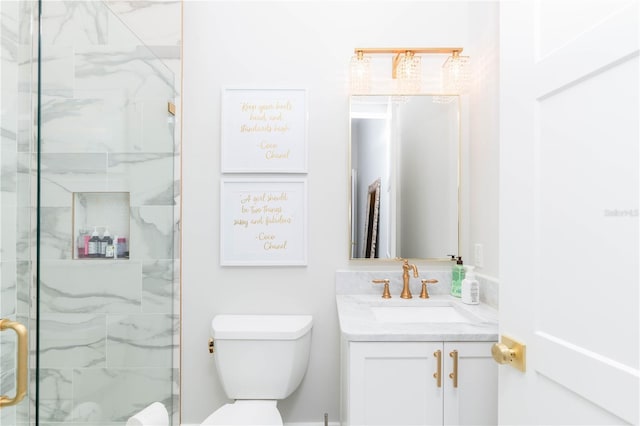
[(406, 292)]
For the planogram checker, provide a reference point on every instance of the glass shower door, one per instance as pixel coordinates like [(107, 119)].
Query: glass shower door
[(107, 222), (17, 212)]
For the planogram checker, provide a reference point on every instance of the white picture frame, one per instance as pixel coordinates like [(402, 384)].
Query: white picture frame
[(263, 222), (264, 130)]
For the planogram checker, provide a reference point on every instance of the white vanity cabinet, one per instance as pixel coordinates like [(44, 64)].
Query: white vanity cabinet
[(413, 383)]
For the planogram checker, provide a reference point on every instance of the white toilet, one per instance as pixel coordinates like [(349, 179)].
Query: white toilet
[(260, 359)]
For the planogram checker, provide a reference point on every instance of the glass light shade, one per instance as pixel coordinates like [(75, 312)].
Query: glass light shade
[(456, 74), (409, 73), (360, 73)]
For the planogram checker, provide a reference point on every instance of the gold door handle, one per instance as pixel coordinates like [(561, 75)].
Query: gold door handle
[(511, 352), (22, 362), (438, 374), (454, 376)]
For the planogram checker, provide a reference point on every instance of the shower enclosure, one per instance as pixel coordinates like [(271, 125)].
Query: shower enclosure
[(89, 218)]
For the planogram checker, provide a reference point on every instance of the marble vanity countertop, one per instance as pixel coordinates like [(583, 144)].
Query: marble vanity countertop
[(358, 322)]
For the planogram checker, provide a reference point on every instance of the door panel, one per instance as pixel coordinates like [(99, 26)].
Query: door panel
[(569, 211), (392, 383), (604, 375), (474, 400)]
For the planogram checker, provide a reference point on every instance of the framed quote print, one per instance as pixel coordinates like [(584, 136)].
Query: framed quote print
[(264, 131), (263, 222)]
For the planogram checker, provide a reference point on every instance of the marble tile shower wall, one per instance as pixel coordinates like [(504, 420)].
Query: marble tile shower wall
[(109, 329)]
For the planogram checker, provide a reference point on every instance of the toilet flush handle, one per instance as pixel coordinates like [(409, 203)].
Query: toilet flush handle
[(211, 346)]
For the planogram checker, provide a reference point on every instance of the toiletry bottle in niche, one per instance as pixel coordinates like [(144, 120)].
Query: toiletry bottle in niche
[(81, 243), (470, 288), (457, 275), (87, 237), (110, 248), (105, 242), (121, 247), (94, 244), (115, 246)]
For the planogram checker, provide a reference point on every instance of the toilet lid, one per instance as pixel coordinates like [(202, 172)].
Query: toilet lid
[(246, 413)]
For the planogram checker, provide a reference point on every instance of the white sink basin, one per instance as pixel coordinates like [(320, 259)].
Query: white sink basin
[(417, 314)]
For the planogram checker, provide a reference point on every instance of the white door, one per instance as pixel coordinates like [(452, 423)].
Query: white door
[(569, 188)]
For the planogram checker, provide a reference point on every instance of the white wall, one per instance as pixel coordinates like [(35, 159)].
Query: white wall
[(483, 173), (282, 44)]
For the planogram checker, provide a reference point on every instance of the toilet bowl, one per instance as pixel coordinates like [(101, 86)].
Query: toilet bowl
[(260, 359)]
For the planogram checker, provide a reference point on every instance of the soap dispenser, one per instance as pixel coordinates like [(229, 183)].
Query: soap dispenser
[(457, 275), (470, 287)]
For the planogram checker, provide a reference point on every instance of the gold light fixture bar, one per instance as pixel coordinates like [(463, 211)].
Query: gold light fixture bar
[(406, 69), (396, 50), (406, 51)]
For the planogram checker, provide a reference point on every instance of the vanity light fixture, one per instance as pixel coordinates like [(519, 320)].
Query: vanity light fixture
[(406, 68), (408, 71), (360, 73), (455, 73)]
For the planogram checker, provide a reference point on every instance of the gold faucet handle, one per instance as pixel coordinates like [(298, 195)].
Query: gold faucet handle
[(386, 294), (424, 294)]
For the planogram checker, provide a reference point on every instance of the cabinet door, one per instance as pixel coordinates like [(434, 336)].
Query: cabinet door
[(475, 399), (392, 383)]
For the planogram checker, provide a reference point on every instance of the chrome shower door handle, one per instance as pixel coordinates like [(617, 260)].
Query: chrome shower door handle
[(22, 362)]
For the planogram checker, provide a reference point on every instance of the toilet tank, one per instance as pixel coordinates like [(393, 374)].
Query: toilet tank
[(261, 356)]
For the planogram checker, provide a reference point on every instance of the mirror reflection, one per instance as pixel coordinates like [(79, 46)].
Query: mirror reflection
[(404, 176)]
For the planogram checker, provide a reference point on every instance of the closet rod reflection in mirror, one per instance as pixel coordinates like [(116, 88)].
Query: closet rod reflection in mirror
[(373, 220)]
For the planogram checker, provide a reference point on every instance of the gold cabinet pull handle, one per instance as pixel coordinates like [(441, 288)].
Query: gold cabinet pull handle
[(454, 376), (438, 374), (22, 362)]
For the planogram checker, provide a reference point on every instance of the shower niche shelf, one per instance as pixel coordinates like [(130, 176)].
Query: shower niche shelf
[(106, 214)]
